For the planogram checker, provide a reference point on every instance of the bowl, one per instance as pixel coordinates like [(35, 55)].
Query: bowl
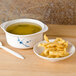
[(38, 50), (24, 41)]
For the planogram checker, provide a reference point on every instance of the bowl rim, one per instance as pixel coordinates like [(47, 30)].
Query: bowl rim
[(42, 30)]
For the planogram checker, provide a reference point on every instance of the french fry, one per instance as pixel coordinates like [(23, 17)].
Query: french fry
[(46, 38), (54, 49)]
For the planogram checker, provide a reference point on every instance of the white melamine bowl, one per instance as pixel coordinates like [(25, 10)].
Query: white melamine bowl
[(24, 41)]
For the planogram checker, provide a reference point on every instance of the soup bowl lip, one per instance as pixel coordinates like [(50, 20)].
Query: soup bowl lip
[(42, 30)]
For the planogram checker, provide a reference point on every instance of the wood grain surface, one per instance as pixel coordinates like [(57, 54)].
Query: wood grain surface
[(48, 11), (33, 65)]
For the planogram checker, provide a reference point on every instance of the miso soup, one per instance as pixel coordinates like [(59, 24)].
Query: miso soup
[(23, 28)]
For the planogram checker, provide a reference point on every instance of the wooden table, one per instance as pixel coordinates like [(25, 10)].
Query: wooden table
[(33, 65)]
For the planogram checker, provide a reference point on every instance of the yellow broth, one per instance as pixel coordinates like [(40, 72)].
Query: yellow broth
[(23, 28)]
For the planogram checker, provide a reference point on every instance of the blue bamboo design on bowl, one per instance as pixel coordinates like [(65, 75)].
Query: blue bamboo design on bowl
[(21, 42)]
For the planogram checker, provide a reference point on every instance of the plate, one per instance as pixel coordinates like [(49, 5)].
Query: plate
[(38, 50)]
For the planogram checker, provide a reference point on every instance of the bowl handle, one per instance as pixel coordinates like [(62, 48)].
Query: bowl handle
[(45, 28), (3, 26)]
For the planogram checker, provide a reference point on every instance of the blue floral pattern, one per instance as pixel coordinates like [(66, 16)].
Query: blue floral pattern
[(22, 43)]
